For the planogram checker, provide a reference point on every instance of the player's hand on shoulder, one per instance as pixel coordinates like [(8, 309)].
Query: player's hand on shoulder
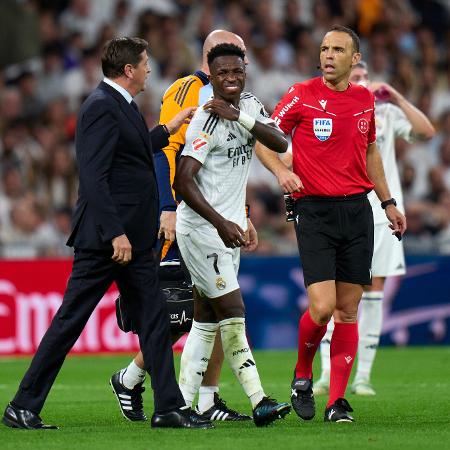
[(251, 237), (122, 250), (397, 219), (167, 225), (231, 234), (183, 117), (222, 108), (289, 181)]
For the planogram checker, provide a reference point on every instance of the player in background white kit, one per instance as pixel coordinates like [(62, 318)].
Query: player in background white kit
[(211, 225), (395, 117)]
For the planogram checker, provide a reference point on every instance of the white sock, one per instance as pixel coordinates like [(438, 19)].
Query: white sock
[(132, 375), (239, 356), (195, 357), (206, 397), (370, 323), (325, 350)]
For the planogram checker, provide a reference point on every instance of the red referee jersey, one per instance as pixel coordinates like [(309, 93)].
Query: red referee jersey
[(330, 134)]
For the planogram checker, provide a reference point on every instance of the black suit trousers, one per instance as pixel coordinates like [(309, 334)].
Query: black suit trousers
[(92, 274)]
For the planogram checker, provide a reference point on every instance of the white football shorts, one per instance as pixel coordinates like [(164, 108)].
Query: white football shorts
[(213, 267), (388, 256)]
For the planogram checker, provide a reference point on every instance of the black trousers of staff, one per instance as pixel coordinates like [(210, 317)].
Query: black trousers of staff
[(92, 274)]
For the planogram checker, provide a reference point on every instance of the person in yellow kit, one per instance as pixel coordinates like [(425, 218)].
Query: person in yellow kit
[(127, 383)]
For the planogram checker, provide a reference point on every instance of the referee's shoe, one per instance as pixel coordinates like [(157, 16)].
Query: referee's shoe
[(337, 412), (130, 400), (220, 411), (302, 398)]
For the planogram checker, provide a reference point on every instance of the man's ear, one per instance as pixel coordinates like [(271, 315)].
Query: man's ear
[(128, 70), (356, 58)]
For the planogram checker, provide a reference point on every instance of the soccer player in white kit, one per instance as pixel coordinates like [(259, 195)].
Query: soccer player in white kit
[(211, 225), (395, 117)]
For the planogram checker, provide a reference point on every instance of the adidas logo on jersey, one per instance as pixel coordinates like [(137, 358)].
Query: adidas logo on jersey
[(230, 137)]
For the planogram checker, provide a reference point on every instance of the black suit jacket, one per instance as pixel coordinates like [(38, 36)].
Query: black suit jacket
[(118, 193)]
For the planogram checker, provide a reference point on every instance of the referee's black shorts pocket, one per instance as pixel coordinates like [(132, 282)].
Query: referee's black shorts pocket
[(354, 256)]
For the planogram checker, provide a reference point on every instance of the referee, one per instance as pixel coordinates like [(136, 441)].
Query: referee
[(335, 164)]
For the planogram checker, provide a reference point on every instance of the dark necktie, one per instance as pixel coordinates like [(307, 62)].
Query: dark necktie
[(135, 107)]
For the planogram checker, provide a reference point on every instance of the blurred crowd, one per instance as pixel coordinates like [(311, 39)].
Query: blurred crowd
[(49, 62)]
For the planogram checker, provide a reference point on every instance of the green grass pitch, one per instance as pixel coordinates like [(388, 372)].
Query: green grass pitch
[(411, 410)]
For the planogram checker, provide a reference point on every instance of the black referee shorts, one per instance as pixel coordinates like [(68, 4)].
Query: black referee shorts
[(335, 238)]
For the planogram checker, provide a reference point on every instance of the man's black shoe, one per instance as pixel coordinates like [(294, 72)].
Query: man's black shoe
[(196, 417), (15, 417), (268, 410), (220, 411), (302, 398), (180, 418), (130, 400), (337, 412)]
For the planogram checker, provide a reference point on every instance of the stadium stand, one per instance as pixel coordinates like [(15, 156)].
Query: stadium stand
[(44, 79)]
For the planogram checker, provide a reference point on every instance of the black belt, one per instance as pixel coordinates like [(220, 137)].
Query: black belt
[(323, 198)]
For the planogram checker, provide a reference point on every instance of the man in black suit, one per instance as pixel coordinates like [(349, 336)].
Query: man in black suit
[(114, 230)]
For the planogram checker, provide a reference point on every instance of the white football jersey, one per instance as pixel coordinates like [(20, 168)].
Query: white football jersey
[(391, 123), (225, 149)]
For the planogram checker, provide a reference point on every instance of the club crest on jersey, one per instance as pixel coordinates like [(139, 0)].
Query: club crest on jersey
[(323, 128), (220, 283)]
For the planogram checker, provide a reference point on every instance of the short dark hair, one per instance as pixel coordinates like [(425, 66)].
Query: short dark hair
[(361, 64), (119, 52), (350, 32), (224, 50)]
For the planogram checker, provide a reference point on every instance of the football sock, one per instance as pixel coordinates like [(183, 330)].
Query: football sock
[(370, 323), (344, 344), (325, 350), (132, 375), (194, 359), (239, 356), (206, 397), (309, 336)]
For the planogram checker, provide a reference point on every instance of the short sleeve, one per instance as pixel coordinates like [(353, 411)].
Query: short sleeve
[(287, 112), (261, 115), (199, 137), (253, 106)]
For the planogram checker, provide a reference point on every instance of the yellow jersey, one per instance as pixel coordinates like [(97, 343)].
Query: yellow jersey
[(183, 93)]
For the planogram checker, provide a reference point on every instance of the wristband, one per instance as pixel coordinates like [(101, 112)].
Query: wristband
[(247, 211), (169, 208), (248, 122), (386, 203), (165, 129)]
